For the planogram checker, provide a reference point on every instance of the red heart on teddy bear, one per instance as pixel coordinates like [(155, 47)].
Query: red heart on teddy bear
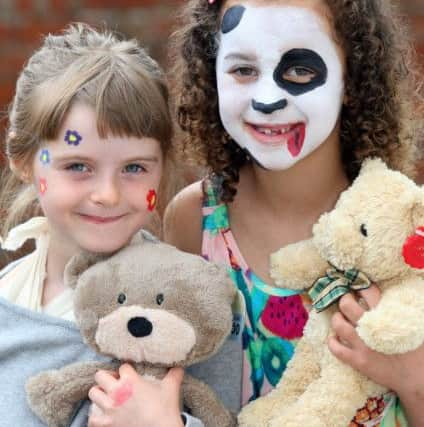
[(413, 249)]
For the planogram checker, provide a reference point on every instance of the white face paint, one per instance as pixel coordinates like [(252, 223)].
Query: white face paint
[(280, 83)]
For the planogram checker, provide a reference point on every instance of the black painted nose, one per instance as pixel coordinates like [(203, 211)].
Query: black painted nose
[(140, 327), (269, 108)]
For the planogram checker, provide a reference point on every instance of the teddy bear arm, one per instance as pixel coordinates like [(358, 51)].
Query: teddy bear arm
[(53, 395), (395, 324), (297, 265), (205, 405), (302, 369)]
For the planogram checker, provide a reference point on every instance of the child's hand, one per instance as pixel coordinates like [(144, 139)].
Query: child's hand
[(133, 401), (401, 373)]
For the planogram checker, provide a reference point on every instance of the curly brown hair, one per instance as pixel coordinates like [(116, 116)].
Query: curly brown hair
[(382, 114)]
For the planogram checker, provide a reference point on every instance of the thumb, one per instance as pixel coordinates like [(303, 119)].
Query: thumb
[(126, 371), (174, 377)]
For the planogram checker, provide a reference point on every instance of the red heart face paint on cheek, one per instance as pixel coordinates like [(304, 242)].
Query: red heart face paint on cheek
[(413, 249), (151, 199), (42, 184), (122, 394)]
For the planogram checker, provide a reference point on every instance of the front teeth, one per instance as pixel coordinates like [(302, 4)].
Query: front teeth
[(272, 132), (267, 131)]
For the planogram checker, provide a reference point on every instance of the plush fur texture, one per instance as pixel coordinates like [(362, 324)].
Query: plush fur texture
[(317, 390), (148, 304)]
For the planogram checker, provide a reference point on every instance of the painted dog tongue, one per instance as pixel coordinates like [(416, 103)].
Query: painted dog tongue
[(413, 249), (295, 142)]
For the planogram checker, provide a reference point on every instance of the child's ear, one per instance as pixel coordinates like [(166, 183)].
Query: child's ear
[(21, 169), (77, 265)]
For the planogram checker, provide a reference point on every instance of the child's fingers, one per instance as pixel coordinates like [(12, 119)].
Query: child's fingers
[(127, 371), (349, 307), (175, 377), (100, 398), (105, 380), (344, 330), (342, 352), (371, 296)]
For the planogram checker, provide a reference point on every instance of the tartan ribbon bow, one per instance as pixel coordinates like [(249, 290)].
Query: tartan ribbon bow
[(336, 283)]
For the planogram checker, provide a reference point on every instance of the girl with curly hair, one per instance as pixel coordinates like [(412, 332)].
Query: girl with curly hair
[(281, 101)]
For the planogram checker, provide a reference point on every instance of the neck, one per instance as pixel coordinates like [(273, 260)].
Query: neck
[(58, 256), (311, 185)]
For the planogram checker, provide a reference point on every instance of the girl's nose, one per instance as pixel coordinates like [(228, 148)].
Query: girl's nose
[(270, 107), (106, 193)]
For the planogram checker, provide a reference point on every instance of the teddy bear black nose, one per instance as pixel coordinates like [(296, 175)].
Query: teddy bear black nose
[(140, 327)]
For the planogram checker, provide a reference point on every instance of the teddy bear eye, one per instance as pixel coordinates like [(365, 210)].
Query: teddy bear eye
[(159, 298), (122, 298), (364, 230)]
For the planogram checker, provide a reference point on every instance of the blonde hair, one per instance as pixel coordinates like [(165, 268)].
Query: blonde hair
[(125, 87)]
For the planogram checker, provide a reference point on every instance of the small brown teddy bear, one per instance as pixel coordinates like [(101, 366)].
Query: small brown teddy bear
[(375, 234), (149, 304)]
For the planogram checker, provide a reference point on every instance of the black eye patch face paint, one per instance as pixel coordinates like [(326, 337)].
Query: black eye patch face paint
[(232, 18), (302, 58)]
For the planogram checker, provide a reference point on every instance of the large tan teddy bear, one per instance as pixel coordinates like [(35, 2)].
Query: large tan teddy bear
[(149, 304), (375, 234)]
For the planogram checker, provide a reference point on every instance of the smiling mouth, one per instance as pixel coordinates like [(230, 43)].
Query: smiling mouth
[(292, 135), (100, 219)]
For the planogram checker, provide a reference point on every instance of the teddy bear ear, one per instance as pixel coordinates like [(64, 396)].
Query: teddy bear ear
[(77, 265), (372, 164)]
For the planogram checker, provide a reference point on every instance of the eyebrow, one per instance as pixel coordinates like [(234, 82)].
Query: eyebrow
[(79, 158), (240, 57)]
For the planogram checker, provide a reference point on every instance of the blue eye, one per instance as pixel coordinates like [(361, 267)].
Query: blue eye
[(134, 168), (77, 167)]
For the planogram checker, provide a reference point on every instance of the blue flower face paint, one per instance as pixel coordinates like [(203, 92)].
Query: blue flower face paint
[(45, 157), (72, 137)]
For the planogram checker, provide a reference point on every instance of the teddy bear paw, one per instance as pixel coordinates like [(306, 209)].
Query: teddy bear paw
[(45, 401)]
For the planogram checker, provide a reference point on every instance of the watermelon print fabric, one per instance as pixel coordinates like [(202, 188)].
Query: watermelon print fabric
[(274, 318)]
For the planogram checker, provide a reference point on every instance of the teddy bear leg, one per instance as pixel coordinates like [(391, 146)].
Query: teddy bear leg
[(301, 370), (54, 395), (330, 401), (47, 401)]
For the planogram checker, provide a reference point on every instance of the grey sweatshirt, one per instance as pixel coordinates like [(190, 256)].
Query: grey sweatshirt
[(32, 342)]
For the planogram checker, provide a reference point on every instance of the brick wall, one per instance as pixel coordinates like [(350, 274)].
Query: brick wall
[(22, 22)]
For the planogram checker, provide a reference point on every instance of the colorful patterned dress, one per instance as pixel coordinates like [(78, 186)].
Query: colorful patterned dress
[(274, 318)]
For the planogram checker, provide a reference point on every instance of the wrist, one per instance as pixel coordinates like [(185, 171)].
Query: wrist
[(410, 387)]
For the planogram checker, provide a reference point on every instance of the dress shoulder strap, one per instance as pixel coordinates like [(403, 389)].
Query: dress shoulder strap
[(212, 190), (214, 211)]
